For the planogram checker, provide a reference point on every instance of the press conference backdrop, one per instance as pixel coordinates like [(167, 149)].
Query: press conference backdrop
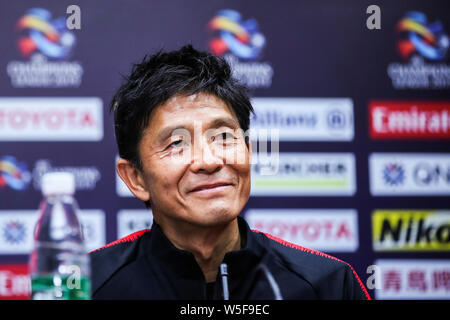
[(359, 95)]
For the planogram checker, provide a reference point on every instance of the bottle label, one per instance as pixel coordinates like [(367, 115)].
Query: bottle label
[(55, 287)]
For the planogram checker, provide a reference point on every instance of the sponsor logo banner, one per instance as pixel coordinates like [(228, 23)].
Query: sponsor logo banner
[(16, 231), (321, 229), (86, 178), (420, 174), (413, 279), (17, 228), (422, 44), (411, 230), (132, 220), (304, 119), (93, 225), (241, 43), (13, 174), (46, 44), (408, 120), (304, 174), (51, 119), (14, 282)]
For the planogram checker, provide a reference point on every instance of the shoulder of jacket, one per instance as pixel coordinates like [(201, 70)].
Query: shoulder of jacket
[(107, 260), (125, 240), (312, 265), (296, 253)]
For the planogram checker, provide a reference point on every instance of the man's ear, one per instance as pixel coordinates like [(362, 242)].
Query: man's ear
[(133, 178)]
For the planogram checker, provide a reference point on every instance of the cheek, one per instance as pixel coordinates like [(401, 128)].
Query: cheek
[(243, 172), (240, 162), (236, 155), (165, 179)]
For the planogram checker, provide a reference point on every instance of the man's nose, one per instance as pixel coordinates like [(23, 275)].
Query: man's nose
[(203, 157)]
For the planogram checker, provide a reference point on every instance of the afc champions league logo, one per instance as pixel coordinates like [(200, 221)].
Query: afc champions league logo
[(44, 34), (46, 44), (238, 36), (417, 35), (423, 46), (240, 42), (13, 174)]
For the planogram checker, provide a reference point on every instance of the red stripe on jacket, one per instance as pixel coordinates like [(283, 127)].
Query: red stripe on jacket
[(295, 246), (131, 237)]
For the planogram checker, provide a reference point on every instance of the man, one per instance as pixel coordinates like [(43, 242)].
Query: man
[(180, 124)]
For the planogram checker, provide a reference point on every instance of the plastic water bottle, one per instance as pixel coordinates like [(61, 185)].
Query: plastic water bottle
[(59, 264)]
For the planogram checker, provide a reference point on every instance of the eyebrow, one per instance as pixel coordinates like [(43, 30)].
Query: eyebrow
[(224, 122), (216, 123)]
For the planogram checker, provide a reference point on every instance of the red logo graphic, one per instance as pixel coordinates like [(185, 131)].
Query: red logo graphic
[(409, 119), (308, 230), (416, 279), (50, 119), (14, 282)]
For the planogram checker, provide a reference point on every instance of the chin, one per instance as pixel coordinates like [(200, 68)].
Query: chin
[(215, 216)]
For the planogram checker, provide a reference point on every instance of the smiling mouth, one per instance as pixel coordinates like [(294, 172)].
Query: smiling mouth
[(211, 188)]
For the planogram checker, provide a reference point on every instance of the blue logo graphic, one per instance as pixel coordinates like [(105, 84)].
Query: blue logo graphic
[(426, 38), (50, 37), (14, 232), (242, 38), (393, 174), (13, 173)]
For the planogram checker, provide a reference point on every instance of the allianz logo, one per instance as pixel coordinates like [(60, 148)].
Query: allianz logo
[(275, 118), (334, 119)]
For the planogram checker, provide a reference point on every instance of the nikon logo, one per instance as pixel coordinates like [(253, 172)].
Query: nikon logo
[(404, 230)]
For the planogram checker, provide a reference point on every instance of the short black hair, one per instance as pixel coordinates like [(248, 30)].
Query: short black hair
[(166, 74)]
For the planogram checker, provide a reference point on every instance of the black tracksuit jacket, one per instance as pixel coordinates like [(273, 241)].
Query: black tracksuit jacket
[(146, 265)]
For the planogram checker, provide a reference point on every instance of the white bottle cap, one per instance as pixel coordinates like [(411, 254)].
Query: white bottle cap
[(58, 183)]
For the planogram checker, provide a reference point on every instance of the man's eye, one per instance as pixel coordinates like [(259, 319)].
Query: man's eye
[(224, 136), (177, 144)]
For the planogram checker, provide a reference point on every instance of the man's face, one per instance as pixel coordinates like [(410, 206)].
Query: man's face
[(196, 165)]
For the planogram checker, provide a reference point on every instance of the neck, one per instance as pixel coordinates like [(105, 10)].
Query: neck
[(208, 244)]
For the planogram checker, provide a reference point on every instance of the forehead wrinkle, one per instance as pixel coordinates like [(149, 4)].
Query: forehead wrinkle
[(181, 103)]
